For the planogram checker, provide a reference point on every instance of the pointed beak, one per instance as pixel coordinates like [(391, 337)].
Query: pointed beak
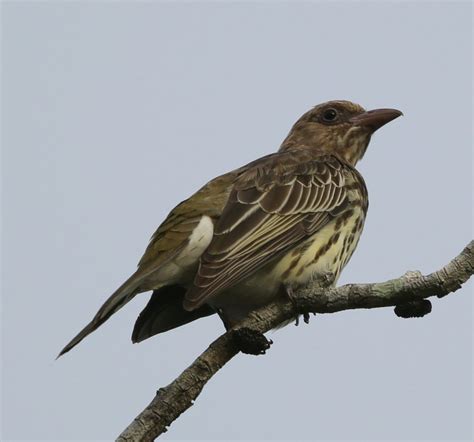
[(375, 119)]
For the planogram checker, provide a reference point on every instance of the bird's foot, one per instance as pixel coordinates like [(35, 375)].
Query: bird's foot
[(294, 300), (251, 342), (413, 309), (305, 319)]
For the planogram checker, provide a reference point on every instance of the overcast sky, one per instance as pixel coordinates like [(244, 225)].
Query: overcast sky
[(113, 112)]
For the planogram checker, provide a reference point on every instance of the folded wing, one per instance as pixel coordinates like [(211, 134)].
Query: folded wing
[(272, 207)]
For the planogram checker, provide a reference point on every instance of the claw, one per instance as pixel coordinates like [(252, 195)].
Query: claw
[(293, 299)]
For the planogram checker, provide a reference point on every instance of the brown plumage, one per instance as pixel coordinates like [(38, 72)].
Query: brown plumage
[(276, 222)]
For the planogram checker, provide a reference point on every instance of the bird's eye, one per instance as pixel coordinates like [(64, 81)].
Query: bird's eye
[(330, 115)]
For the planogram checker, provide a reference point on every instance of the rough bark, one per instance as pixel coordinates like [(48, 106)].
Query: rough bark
[(179, 395)]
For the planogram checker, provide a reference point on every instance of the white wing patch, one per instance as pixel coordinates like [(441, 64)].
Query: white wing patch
[(181, 268), (199, 240)]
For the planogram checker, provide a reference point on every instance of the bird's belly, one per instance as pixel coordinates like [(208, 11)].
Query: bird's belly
[(327, 251)]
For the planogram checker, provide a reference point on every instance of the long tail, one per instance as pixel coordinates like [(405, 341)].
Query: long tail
[(116, 301)]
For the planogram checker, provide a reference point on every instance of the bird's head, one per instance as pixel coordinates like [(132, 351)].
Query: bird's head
[(338, 127)]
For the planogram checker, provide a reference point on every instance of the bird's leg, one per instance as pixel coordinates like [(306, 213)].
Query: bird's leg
[(250, 341), (224, 319), (288, 290)]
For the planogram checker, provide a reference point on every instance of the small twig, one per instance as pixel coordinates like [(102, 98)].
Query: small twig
[(178, 396)]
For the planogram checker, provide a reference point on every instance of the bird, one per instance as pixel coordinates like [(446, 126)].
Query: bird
[(273, 224)]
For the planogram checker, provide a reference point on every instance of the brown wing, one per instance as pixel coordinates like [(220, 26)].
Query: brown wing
[(271, 208)]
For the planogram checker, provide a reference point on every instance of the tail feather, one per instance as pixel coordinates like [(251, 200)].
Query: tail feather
[(164, 312), (116, 301)]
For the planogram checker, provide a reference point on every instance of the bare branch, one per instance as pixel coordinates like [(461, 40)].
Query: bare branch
[(178, 396)]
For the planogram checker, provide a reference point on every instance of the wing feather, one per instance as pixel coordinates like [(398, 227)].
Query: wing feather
[(273, 200), (272, 208), (293, 201)]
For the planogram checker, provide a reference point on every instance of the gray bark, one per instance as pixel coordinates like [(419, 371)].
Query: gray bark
[(179, 395)]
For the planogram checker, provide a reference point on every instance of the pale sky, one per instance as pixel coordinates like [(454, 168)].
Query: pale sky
[(113, 112)]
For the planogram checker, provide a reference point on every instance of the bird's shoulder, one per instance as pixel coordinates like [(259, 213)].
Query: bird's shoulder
[(301, 167)]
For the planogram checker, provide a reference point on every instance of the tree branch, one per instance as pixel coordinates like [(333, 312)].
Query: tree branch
[(180, 394)]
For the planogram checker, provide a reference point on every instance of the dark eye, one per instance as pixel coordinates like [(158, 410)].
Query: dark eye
[(330, 115)]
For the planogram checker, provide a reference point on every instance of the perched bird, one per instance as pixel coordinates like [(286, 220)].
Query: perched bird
[(276, 222)]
